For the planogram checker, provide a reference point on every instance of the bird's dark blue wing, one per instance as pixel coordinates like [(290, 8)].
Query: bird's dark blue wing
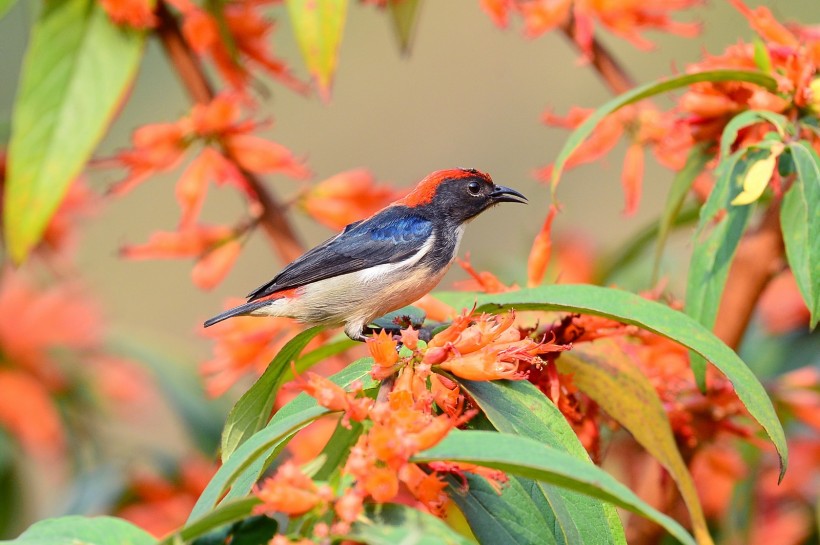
[(391, 236)]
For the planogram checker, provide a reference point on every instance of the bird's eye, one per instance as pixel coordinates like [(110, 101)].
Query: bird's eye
[(474, 188)]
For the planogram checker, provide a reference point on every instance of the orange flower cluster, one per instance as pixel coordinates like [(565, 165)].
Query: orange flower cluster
[(162, 147), (347, 197), (624, 18), (243, 345), (790, 54), (235, 36)]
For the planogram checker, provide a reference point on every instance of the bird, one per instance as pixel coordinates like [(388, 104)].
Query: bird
[(382, 263)]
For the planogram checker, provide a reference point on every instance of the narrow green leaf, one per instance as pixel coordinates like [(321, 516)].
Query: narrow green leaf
[(518, 407), (76, 72), (253, 409), (318, 25), (405, 15), (313, 357), (247, 463), (715, 244), (392, 524), (510, 517), (528, 458), (5, 6), (695, 163), (632, 309), (83, 530), (222, 515), (338, 448), (800, 220), (603, 372), (645, 91)]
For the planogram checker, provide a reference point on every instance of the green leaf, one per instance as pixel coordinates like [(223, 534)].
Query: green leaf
[(632, 309), (715, 244), (248, 462), (5, 6), (391, 524), (800, 220), (645, 91), (603, 372), (695, 163), (76, 72), (222, 515), (83, 530), (518, 407), (318, 25), (405, 15), (510, 517), (761, 56), (253, 409), (254, 530), (338, 448), (313, 357), (528, 458)]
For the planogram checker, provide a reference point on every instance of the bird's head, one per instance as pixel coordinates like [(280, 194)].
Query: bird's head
[(460, 194)]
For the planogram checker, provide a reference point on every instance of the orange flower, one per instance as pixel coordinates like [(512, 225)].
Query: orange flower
[(212, 268), (382, 484), (262, 156), (541, 249), (191, 242), (435, 309), (334, 397), (428, 488), (243, 345), (481, 281), (28, 413), (244, 40), (134, 13), (383, 349), (347, 197), (289, 491)]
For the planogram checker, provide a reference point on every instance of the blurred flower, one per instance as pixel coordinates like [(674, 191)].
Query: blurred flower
[(235, 36), (29, 414), (347, 197), (541, 249), (159, 503), (243, 345), (134, 13), (781, 307), (625, 18), (481, 281), (289, 491)]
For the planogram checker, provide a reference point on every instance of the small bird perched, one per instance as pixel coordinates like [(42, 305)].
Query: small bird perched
[(383, 263)]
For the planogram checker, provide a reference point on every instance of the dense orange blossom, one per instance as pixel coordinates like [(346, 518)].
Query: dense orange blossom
[(134, 13), (236, 40), (704, 109), (624, 18), (162, 147)]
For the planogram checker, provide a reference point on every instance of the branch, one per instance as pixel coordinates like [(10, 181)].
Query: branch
[(609, 69), (272, 219), (759, 257)]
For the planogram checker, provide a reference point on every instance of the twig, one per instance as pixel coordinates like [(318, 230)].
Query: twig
[(272, 219), (759, 257), (608, 68)]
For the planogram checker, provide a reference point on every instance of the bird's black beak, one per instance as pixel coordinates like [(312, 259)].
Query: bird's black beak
[(506, 194)]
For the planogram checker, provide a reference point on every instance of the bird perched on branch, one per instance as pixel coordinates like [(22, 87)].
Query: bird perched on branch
[(382, 263)]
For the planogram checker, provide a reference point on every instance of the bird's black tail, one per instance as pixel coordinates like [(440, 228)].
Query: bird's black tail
[(241, 310)]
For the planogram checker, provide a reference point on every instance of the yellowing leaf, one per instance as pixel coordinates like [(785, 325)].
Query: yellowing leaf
[(318, 25), (405, 14), (757, 178), (604, 373)]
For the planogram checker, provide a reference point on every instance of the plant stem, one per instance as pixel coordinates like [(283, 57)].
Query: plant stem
[(272, 219), (609, 69)]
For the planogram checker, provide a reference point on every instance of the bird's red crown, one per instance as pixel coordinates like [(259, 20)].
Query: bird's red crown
[(424, 192)]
